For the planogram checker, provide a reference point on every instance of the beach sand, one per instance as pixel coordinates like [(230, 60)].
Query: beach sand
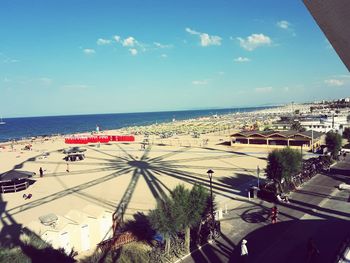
[(116, 173), (104, 176)]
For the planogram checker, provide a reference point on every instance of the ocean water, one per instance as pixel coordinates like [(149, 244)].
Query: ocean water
[(18, 128)]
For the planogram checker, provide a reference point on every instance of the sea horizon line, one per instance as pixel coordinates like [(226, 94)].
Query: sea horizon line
[(144, 112)]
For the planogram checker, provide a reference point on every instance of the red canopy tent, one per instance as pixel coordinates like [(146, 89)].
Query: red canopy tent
[(99, 139)]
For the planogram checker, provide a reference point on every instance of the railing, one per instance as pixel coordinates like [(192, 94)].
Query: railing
[(14, 188), (117, 241)]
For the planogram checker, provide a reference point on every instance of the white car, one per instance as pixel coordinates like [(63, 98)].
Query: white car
[(345, 150)]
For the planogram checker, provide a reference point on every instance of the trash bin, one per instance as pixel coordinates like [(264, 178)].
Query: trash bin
[(253, 191)]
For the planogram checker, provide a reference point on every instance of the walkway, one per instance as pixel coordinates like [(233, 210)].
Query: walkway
[(318, 210)]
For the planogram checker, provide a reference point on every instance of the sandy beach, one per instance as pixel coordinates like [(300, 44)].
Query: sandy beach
[(123, 173)]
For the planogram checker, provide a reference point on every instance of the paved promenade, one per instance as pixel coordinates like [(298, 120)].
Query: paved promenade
[(317, 210)]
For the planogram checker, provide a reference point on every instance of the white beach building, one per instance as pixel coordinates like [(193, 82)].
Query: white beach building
[(334, 122), (56, 230), (81, 234), (81, 230), (101, 221)]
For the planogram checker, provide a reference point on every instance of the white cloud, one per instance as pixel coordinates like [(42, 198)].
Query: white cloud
[(192, 32), (116, 38), (89, 51), (263, 90), (133, 51), (163, 55), (286, 89), (5, 59), (129, 42), (254, 41), (334, 82), (159, 45), (283, 24), (206, 39), (200, 82), (102, 41), (242, 59)]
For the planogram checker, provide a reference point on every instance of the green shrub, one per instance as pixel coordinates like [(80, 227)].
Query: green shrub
[(333, 142), (282, 164)]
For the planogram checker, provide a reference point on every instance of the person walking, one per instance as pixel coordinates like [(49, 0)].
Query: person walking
[(244, 251), (274, 212), (41, 172)]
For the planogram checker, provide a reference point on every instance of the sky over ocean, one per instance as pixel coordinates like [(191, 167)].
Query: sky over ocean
[(87, 57)]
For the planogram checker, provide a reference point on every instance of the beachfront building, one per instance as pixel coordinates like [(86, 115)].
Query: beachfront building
[(281, 125), (335, 122), (78, 230), (278, 139), (322, 120)]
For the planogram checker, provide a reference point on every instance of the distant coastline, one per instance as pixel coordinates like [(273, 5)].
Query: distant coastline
[(26, 127)]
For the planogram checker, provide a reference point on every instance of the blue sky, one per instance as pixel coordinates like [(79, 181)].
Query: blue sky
[(79, 57)]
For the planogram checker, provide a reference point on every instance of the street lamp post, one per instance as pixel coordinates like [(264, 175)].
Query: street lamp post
[(122, 207), (258, 172), (210, 175), (301, 152)]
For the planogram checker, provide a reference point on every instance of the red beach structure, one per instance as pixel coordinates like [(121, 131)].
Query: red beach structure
[(99, 139)]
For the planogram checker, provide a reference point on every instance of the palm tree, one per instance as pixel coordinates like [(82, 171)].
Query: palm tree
[(206, 202), (189, 207), (163, 220), (179, 213)]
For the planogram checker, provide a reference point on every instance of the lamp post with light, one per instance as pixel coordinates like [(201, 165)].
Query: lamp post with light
[(215, 231), (210, 175)]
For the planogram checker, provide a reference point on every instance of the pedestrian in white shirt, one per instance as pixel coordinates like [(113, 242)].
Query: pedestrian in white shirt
[(244, 251)]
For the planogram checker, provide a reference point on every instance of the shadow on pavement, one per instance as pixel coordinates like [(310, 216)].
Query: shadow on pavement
[(256, 215), (237, 181), (287, 241)]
